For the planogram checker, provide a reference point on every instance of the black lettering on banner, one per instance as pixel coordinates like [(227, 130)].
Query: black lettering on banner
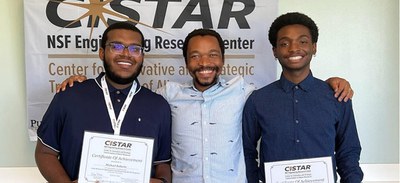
[(55, 19), (96, 21), (147, 45), (117, 6), (52, 16), (239, 16), (186, 15), (161, 11), (92, 43), (161, 43), (59, 41), (35, 123)]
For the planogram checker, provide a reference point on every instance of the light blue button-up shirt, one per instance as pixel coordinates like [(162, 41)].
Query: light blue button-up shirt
[(207, 131)]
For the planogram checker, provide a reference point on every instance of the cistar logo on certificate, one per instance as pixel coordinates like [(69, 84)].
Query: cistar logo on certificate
[(315, 170), (115, 158)]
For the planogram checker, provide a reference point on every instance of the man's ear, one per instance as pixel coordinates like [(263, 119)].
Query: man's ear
[(274, 52), (101, 54), (314, 48)]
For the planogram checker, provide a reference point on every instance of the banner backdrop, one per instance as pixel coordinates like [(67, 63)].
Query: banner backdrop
[(62, 38)]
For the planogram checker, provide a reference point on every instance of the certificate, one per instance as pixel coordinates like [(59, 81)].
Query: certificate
[(113, 158), (313, 170)]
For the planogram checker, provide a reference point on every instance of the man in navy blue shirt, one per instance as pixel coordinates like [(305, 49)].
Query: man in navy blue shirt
[(297, 116), (135, 111)]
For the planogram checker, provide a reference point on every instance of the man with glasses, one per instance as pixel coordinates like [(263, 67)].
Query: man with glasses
[(138, 111)]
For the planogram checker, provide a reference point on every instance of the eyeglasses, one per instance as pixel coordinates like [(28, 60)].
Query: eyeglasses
[(118, 48)]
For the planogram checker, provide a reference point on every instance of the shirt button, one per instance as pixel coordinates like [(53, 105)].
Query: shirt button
[(297, 140), (118, 92), (206, 140), (297, 121), (206, 158), (118, 100), (296, 101), (296, 87)]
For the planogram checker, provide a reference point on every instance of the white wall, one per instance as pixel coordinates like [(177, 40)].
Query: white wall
[(359, 40), (15, 148)]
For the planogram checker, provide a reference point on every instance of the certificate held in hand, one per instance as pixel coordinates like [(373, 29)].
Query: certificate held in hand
[(113, 158), (312, 170)]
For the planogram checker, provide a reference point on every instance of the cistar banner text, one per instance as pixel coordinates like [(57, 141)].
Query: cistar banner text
[(62, 38)]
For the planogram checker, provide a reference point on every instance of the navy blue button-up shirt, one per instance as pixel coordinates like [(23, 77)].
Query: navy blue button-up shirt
[(297, 122)]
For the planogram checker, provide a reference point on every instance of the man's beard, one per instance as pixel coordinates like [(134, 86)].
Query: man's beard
[(117, 79), (207, 84)]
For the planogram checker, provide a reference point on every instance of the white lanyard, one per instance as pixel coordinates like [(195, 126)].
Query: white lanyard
[(116, 123)]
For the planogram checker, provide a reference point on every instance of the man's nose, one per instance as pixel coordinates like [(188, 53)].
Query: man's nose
[(125, 52), (204, 60), (294, 47)]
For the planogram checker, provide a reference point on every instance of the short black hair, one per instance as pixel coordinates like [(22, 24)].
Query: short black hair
[(291, 19), (203, 32), (120, 25)]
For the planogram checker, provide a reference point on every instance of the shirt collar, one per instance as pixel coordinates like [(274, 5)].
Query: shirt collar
[(112, 89), (305, 85)]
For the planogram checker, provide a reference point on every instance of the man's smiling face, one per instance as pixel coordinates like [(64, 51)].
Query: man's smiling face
[(204, 61), (294, 48)]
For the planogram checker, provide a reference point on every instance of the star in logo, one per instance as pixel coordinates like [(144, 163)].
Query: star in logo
[(96, 9)]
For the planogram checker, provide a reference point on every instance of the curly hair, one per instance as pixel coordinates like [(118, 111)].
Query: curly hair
[(291, 19)]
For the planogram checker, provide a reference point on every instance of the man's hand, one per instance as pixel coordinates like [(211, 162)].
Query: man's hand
[(163, 173), (154, 180), (70, 82), (342, 88)]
